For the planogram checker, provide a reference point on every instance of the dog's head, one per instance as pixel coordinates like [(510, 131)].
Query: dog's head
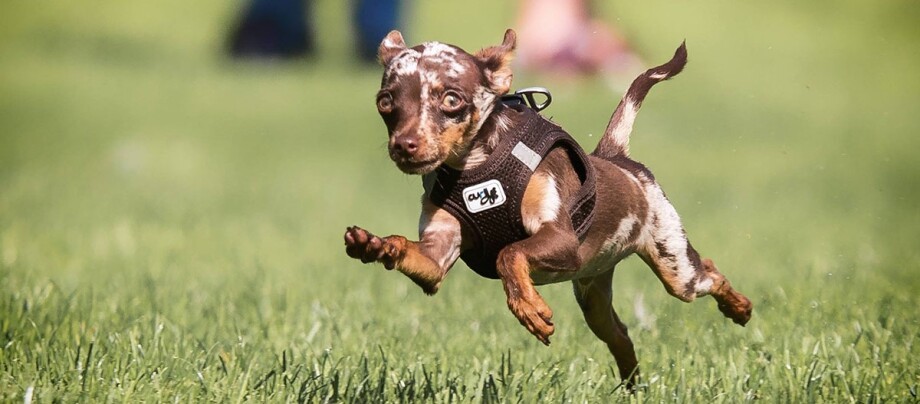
[(434, 98)]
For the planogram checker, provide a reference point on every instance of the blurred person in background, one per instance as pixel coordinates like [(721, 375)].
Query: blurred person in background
[(284, 29), (561, 36)]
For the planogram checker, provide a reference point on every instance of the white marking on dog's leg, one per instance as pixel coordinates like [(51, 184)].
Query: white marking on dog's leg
[(437, 224), (620, 237), (548, 206), (703, 286), (667, 245)]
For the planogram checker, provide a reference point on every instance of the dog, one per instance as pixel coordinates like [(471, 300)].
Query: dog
[(446, 120)]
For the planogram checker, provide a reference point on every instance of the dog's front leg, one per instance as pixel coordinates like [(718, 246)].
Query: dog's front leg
[(553, 248), (426, 261)]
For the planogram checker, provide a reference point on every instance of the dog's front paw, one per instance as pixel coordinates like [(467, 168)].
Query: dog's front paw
[(363, 245), (535, 316)]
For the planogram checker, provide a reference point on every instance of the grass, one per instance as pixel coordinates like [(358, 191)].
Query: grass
[(170, 223)]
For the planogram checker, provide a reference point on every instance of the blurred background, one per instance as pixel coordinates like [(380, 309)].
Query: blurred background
[(156, 170)]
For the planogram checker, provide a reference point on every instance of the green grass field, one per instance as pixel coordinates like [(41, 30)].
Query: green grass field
[(170, 222)]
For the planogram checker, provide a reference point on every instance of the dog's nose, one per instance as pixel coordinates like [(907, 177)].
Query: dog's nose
[(406, 145)]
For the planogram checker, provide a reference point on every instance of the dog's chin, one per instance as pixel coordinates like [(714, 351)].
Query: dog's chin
[(418, 167)]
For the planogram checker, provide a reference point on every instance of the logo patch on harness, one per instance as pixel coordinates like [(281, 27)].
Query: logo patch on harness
[(484, 196)]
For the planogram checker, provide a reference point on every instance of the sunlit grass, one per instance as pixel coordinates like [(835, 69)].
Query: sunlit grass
[(170, 222)]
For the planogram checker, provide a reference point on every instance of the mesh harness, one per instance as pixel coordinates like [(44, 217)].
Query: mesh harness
[(487, 199)]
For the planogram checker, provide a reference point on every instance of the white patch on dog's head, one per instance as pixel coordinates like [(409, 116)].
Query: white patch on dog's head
[(404, 64), (446, 56), (436, 50), (434, 53)]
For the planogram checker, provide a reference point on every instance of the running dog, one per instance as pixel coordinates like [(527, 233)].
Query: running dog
[(514, 196)]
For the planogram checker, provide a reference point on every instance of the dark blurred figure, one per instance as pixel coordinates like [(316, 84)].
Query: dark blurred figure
[(373, 20), (274, 29), (282, 29)]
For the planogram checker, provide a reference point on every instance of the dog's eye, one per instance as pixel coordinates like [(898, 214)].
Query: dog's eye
[(451, 102), (385, 103)]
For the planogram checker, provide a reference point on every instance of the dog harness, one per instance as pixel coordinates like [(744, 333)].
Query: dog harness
[(487, 199)]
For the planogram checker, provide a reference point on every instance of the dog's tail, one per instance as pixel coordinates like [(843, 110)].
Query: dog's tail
[(616, 137)]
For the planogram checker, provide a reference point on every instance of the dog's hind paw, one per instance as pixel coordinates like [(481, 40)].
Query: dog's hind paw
[(736, 307)]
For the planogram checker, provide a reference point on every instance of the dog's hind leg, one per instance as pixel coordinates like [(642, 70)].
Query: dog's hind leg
[(594, 296), (668, 252)]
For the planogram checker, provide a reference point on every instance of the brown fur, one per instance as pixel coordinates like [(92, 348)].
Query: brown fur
[(441, 106)]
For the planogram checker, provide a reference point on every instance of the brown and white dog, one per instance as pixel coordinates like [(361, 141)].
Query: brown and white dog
[(441, 106)]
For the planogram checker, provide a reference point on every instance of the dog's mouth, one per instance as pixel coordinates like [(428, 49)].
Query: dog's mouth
[(417, 167)]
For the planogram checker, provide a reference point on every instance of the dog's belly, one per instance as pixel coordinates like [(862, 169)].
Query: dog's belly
[(599, 264)]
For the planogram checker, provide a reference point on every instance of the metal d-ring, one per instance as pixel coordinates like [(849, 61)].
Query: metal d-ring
[(528, 94)]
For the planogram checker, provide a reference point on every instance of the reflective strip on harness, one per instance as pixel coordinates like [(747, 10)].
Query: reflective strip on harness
[(527, 156)]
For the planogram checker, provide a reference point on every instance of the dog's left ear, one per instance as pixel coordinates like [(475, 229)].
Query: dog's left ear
[(393, 44), (496, 63)]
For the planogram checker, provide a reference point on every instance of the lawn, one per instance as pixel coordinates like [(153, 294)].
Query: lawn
[(171, 222)]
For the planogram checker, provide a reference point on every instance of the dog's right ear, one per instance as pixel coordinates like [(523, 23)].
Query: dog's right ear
[(391, 46)]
